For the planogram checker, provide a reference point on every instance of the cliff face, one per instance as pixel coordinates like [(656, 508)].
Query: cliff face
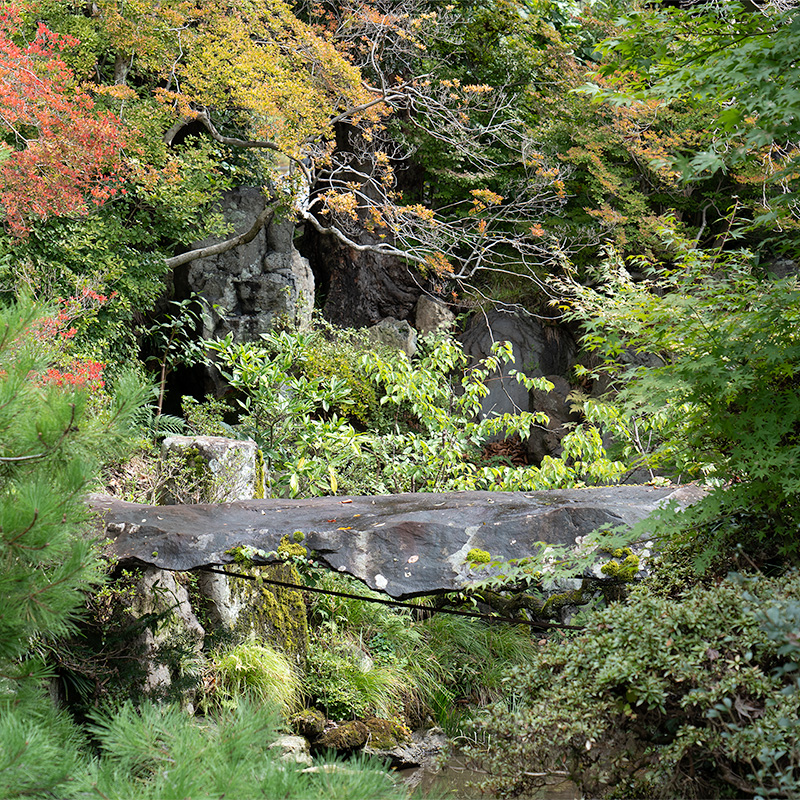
[(359, 288)]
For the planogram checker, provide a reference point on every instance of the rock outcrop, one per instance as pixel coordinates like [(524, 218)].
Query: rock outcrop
[(252, 284), (539, 350), (247, 288), (361, 287)]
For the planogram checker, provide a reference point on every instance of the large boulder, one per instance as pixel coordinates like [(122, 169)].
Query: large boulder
[(211, 469), (545, 439), (538, 349), (216, 470), (395, 334), (159, 596), (248, 287), (432, 315)]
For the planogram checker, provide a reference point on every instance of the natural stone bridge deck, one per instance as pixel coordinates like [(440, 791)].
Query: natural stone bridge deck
[(404, 545)]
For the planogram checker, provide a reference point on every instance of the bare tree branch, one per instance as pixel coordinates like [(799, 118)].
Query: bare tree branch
[(264, 218)]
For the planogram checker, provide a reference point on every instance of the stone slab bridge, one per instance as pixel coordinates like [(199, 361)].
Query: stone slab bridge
[(404, 545)]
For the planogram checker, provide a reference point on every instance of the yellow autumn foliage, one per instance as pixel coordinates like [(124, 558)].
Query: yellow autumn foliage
[(280, 80)]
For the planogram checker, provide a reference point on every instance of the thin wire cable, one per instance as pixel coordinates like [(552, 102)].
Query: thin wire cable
[(398, 603)]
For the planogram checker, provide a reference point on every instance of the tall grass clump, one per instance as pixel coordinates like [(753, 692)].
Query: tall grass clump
[(368, 658), (460, 664), (255, 671)]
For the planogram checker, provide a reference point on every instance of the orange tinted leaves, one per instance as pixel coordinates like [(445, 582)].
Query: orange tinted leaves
[(59, 149)]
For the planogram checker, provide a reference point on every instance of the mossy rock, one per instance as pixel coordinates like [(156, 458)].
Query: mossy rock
[(275, 614), (556, 603), (625, 571), (345, 737), (386, 734), (478, 556), (291, 548), (309, 723)]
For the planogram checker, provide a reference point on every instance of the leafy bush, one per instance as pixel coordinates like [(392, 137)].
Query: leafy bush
[(722, 347), (346, 682), (662, 697), (430, 433), (434, 661), (54, 432)]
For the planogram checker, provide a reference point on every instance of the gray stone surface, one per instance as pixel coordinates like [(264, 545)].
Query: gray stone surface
[(157, 592), (545, 440), (422, 750), (224, 469), (361, 287), (404, 545), (253, 283), (432, 315), (394, 333), (538, 350), (293, 749)]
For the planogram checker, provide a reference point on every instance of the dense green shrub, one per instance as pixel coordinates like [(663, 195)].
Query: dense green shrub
[(55, 428), (346, 681), (159, 752), (662, 697), (709, 351), (53, 438), (429, 429)]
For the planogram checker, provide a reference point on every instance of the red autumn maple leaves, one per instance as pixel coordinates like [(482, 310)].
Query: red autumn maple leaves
[(58, 152)]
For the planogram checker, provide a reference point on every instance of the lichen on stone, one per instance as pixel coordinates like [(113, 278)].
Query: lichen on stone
[(260, 489), (625, 570), (555, 603), (245, 554)]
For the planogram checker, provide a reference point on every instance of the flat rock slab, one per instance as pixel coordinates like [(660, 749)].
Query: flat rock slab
[(405, 545)]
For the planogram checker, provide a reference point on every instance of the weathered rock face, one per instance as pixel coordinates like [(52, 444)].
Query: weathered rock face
[(432, 315), (404, 545), (417, 750), (293, 749), (254, 283), (214, 467), (538, 350), (397, 334), (157, 592), (545, 440), (361, 288)]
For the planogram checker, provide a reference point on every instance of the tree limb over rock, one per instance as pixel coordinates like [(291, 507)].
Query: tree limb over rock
[(264, 218)]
